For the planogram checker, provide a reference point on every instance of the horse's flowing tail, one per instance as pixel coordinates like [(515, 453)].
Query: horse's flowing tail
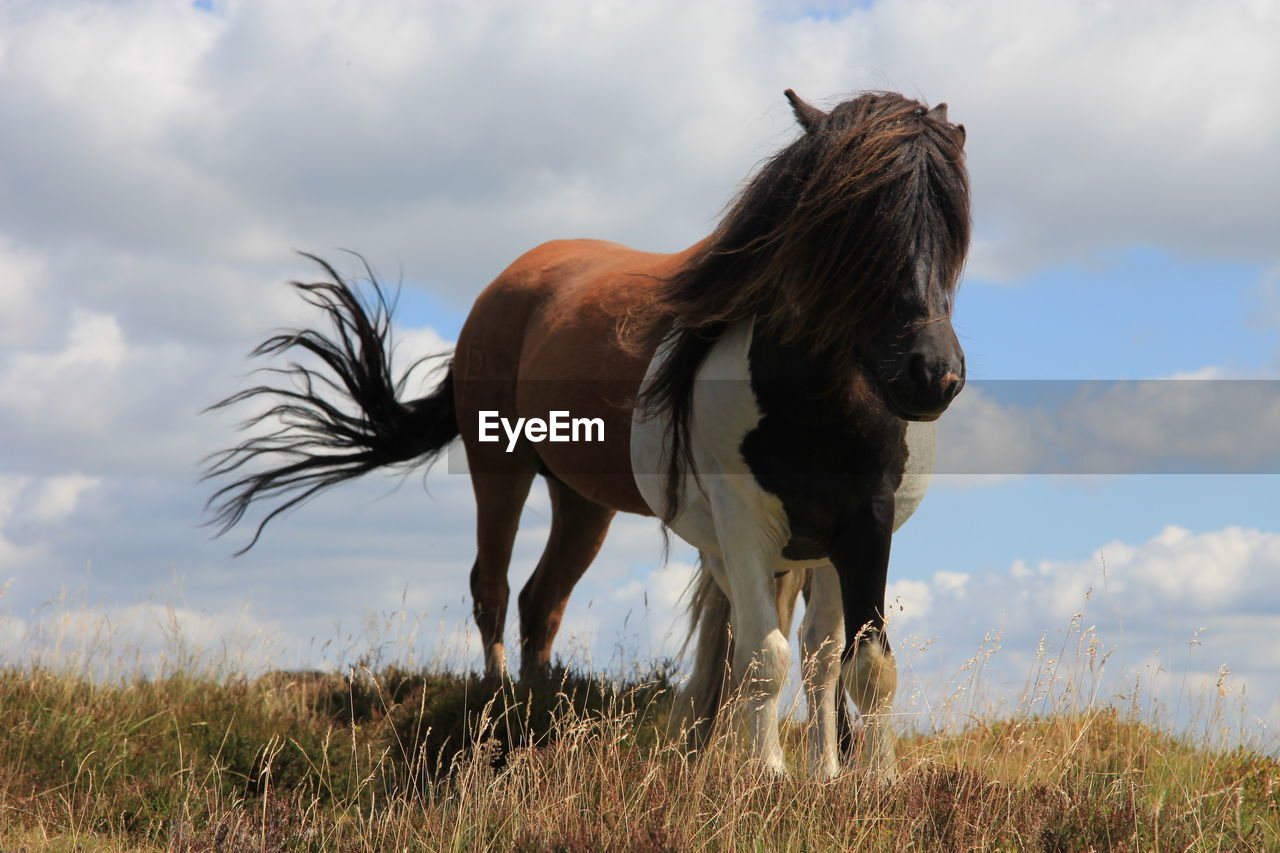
[(319, 438), (699, 702)]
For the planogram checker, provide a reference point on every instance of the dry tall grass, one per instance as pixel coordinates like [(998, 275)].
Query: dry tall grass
[(198, 759)]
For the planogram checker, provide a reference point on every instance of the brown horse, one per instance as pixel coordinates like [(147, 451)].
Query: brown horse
[(817, 318)]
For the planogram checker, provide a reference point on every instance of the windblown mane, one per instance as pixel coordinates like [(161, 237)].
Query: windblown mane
[(815, 245)]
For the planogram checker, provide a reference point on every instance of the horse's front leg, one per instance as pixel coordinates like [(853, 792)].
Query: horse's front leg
[(752, 544), (860, 553), (821, 641)]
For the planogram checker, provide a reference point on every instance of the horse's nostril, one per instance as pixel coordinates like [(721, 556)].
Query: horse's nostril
[(950, 384)]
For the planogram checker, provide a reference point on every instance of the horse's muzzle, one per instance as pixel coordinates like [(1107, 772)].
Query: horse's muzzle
[(927, 377)]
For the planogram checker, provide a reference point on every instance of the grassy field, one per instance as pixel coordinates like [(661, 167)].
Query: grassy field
[(397, 759)]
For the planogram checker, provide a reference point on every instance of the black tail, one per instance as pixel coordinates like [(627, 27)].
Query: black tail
[(317, 443)]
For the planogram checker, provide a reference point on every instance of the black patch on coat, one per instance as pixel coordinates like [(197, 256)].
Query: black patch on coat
[(824, 451)]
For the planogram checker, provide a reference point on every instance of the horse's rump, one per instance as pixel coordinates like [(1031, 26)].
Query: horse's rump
[(549, 335)]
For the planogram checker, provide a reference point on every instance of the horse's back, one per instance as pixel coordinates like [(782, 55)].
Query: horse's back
[(543, 338)]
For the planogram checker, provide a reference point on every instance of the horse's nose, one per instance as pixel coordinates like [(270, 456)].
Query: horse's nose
[(935, 377)]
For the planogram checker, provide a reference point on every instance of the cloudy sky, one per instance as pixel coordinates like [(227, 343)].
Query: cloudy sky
[(161, 162)]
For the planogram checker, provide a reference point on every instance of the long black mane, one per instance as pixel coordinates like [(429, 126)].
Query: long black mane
[(815, 246)]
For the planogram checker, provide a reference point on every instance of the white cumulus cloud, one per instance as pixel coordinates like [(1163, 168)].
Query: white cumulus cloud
[(1178, 604)]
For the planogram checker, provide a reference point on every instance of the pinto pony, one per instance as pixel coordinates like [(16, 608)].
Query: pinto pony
[(755, 389)]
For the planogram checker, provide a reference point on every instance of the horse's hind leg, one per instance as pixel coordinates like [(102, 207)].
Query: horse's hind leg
[(788, 586), (499, 501), (697, 704), (578, 528)]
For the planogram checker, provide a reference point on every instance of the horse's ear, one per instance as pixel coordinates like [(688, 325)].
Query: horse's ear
[(939, 113), (810, 117)]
